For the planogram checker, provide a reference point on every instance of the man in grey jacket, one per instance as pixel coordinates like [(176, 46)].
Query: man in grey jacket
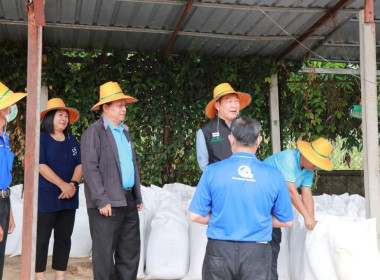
[(112, 188)]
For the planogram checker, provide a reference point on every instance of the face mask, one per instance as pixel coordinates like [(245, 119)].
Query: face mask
[(13, 114)]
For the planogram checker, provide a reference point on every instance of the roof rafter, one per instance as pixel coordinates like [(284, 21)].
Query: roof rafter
[(156, 31), (241, 7)]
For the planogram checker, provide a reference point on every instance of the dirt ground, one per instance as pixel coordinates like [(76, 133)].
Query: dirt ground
[(78, 269)]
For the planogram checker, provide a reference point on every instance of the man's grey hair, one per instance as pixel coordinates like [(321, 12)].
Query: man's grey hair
[(245, 130)]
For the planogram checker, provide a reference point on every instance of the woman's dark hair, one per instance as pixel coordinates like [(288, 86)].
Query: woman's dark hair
[(47, 123)]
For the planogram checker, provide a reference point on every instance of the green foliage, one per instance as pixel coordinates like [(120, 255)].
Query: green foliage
[(320, 106), (172, 95)]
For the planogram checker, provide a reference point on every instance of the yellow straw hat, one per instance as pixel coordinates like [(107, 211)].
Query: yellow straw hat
[(8, 97), (58, 104), (317, 152), (109, 92), (224, 89)]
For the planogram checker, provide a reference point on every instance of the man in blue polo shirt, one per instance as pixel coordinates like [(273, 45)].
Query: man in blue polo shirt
[(298, 168), (241, 199)]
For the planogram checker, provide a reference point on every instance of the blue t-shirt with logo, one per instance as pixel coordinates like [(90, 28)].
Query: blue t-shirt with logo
[(62, 157), (6, 161), (241, 192), (288, 162)]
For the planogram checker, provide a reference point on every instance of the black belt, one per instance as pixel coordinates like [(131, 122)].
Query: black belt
[(5, 193), (128, 191)]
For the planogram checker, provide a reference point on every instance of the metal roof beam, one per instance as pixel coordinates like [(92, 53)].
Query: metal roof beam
[(178, 27), (242, 7), (345, 45), (355, 72), (156, 31), (330, 13)]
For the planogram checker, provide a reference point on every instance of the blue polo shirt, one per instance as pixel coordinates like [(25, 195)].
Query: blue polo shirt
[(241, 193), (124, 150), (288, 162), (6, 162)]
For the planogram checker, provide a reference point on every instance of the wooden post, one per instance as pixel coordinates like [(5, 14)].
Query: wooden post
[(369, 118), (275, 116), (31, 146)]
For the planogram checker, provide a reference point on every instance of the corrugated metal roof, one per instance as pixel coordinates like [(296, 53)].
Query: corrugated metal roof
[(230, 28)]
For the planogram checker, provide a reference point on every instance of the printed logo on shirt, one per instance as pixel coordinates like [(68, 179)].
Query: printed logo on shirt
[(245, 174), (75, 152), (216, 137)]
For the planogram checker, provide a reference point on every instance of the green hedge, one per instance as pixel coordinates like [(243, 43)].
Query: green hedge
[(172, 95)]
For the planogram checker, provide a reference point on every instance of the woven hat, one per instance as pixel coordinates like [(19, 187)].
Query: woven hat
[(58, 104), (109, 92), (317, 152), (8, 97), (224, 89)]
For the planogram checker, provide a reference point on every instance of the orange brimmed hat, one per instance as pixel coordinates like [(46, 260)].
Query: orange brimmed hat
[(224, 89), (317, 152), (8, 97), (109, 92), (58, 104)]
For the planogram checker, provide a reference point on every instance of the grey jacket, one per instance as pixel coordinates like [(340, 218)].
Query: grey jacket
[(101, 167)]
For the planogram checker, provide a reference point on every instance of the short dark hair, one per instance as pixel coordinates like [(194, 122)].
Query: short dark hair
[(246, 131), (47, 123)]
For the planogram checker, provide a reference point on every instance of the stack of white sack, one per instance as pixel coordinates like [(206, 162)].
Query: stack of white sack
[(342, 245), (80, 239)]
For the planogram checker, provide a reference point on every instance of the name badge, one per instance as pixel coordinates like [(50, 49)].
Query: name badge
[(215, 134)]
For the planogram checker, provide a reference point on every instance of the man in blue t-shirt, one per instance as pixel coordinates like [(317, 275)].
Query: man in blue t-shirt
[(298, 167), (8, 112), (240, 199)]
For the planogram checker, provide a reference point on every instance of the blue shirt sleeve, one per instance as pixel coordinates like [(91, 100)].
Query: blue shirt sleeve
[(77, 146), (202, 153), (201, 202), (308, 179)]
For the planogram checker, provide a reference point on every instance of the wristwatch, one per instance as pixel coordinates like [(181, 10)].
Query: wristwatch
[(76, 184)]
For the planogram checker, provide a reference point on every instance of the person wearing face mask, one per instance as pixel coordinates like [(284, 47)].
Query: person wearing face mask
[(212, 143), (8, 112), (60, 170), (298, 166)]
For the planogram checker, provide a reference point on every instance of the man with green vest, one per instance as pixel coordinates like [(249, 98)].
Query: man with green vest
[(212, 139)]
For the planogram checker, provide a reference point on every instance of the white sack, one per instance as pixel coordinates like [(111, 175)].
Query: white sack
[(14, 240), (198, 242), (354, 249), (318, 253), (81, 242), (168, 244)]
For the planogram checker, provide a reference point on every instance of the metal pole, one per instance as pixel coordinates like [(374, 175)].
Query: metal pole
[(31, 146), (275, 115), (370, 119)]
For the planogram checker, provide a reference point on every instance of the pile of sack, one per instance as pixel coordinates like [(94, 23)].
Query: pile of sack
[(343, 245)]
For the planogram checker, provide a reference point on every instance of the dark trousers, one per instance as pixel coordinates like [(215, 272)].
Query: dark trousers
[(63, 223), (115, 242), (275, 245), (4, 221), (228, 260)]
